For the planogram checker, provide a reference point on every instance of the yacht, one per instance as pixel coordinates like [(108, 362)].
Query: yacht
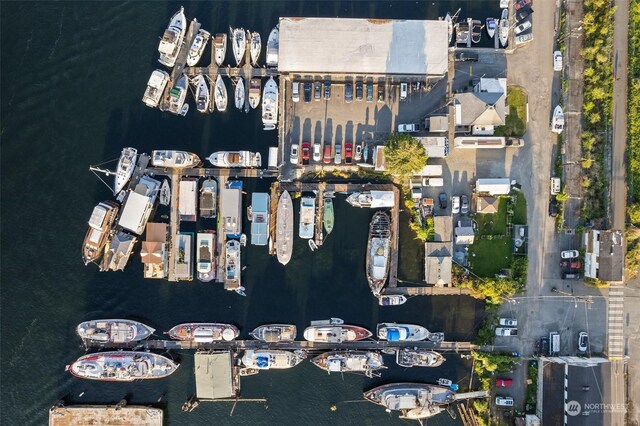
[(113, 331), (334, 331), (208, 199), (391, 300), (178, 94), (165, 193), (174, 159), (350, 362), (204, 332), (220, 94), (124, 171), (394, 332), (272, 47), (414, 400), (307, 217), (284, 228), (270, 105), (232, 265), (238, 43), (557, 122), (254, 92), (275, 333), (220, 48), (377, 262), (327, 215), (372, 199), (491, 25), (100, 225), (449, 22), (272, 359), (503, 28), (205, 251), (239, 93), (172, 39), (155, 88), (256, 46), (197, 47), (122, 366), (414, 357), (202, 94), (228, 159)]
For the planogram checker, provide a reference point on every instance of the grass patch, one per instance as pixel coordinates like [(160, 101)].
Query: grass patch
[(488, 254), (532, 388), (520, 211), (516, 121)]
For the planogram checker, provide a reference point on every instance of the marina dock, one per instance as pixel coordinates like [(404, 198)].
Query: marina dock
[(119, 414)]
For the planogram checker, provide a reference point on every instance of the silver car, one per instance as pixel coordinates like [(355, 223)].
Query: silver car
[(464, 204)]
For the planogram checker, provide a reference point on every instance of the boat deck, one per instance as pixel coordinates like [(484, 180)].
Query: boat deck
[(105, 415)]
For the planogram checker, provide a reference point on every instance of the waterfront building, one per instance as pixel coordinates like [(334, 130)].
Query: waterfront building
[(154, 251), (138, 205), (188, 199), (259, 218), (231, 206)]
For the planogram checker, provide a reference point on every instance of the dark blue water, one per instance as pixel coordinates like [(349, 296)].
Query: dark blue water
[(72, 75)]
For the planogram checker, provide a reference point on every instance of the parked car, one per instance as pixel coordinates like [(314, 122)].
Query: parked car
[(569, 254), (408, 128), (506, 331), (464, 204), (306, 148), (404, 89), (524, 13), (504, 401), (380, 92), (553, 207), (327, 90), (544, 345), (338, 157), (294, 154), (514, 142), (295, 91), (348, 93), (307, 92), (317, 91), (467, 56), (510, 322), (522, 27), (504, 383), (327, 154), (348, 152), (442, 199), (583, 342), (523, 38), (567, 276), (522, 3), (557, 60), (369, 92), (455, 204), (317, 155), (571, 264), (358, 90)]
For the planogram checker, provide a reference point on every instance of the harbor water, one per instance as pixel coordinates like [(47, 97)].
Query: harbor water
[(72, 77)]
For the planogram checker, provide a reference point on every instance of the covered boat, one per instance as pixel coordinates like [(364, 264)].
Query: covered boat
[(232, 271), (274, 333), (239, 93), (202, 93), (238, 43), (270, 105), (503, 27), (256, 46), (377, 261), (208, 198), (174, 159), (394, 332), (220, 94), (100, 224), (327, 215), (155, 88), (197, 47), (414, 400), (205, 252), (284, 228), (557, 122), (177, 95), (307, 217), (462, 32), (272, 359), (254, 92), (126, 166), (372, 199), (204, 332), (350, 362), (122, 366), (172, 39), (334, 331), (230, 159), (220, 48), (113, 331), (476, 30), (272, 47), (414, 357), (391, 299), (492, 26)]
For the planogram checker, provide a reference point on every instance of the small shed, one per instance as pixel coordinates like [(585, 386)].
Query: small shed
[(493, 186), (438, 124), (464, 235), (487, 205)]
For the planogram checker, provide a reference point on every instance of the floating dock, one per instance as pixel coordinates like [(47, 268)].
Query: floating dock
[(120, 415)]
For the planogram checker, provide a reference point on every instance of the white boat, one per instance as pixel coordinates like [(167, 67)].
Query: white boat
[(377, 261), (334, 331), (391, 300), (174, 159), (449, 22), (254, 93), (238, 43), (99, 232), (124, 171), (172, 39), (557, 122), (272, 47), (491, 25), (312, 245), (178, 94), (504, 4), (155, 88), (202, 93), (165, 193), (197, 47), (220, 94), (414, 357), (204, 332), (284, 228), (272, 359), (208, 198), (230, 159), (113, 331), (307, 217), (232, 266), (393, 332), (503, 27), (372, 199), (416, 401), (270, 105), (239, 93), (205, 252), (350, 362), (122, 366), (358, 154), (184, 110), (256, 46), (274, 333), (220, 47)]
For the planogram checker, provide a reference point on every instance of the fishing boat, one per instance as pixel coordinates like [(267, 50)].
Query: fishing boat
[(177, 95), (557, 121), (491, 25), (371, 199), (208, 199), (204, 332), (231, 159), (334, 331), (270, 105), (272, 47), (174, 159), (275, 333), (238, 43), (122, 366), (256, 46), (449, 22), (414, 400), (172, 39), (239, 93), (503, 27), (391, 300), (377, 262), (113, 331), (197, 47), (254, 92), (202, 93), (312, 245), (476, 30), (165, 193), (307, 217), (414, 357), (394, 332), (220, 48), (272, 359), (155, 88), (327, 215), (205, 250), (100, 225), (220, 94), (284, 228), (462, 32), (350, 362), (232, 266), (126, 166)]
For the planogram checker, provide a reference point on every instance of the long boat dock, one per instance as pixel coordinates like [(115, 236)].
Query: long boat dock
[(211, 172)]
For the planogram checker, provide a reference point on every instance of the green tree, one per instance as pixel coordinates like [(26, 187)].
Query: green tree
[(404, 154), (634, 213)]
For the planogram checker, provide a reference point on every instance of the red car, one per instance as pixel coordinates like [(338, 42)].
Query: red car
[(504, 383), (305, 153), (327, 154), (522, 3), (348, 152)]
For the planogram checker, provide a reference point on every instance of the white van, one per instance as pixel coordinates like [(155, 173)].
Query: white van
[(295, 92), (555, 185), (404, 89), (554, 343), (434, 181)]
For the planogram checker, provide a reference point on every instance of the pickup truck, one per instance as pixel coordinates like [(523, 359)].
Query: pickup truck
[(506, 331), (407, 128)]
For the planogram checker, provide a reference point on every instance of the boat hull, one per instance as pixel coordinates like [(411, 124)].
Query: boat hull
[(220, 94), (270, 359), (119, 331), (402, 332), (273, 333), (416, 400), (126, 166), (349, 362), (378, 247), (122, 366), (270, 105), (409, 357), (204, 332), (238, 44), (336, 333), (328, 215), (232, 266), (220, 48), (98, 236), (284, 228)]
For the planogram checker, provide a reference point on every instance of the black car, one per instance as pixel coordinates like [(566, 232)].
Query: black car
[(307, 92), (442, 198), (317, 90), (348, 93), (524, 13), (553, 207), (327, 90), (467, 56), (358, 90), (544, 345)]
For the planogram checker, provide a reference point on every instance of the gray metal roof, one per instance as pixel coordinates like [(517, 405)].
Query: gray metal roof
[(363, 46), (213, 375), (437, 263)]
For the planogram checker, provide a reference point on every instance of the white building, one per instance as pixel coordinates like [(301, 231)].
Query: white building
[(138, 205)]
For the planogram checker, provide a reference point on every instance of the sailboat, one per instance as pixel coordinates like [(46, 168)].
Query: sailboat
[(270, 105), (239, 93), (202, 93), (256, 46), (327, 215), (220, 94), (220, 46), (284, 228), (503, 28), (124, 171), (272, 47), (238, 43)]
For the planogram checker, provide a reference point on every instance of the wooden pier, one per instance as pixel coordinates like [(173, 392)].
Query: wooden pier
[(119, 414), (211, 172)]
